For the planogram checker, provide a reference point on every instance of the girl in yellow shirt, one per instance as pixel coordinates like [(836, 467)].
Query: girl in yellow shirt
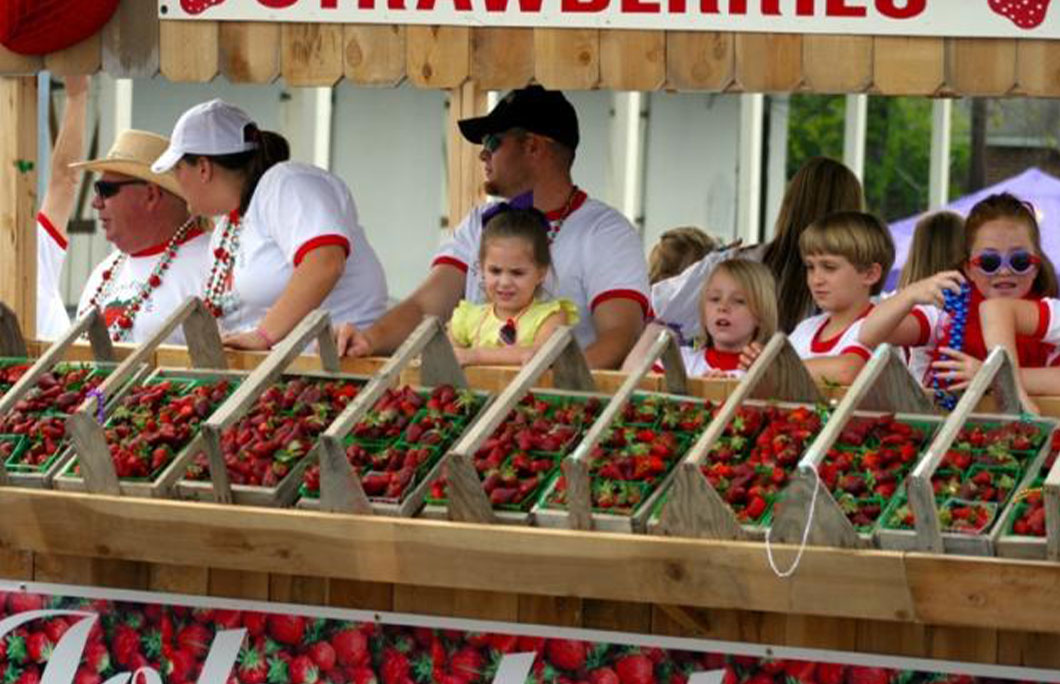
[(517, 316)]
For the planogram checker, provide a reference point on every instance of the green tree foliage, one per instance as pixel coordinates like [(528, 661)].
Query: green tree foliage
[(897, 147)]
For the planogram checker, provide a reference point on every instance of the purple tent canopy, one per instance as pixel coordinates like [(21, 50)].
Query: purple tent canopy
[(1033, 185)]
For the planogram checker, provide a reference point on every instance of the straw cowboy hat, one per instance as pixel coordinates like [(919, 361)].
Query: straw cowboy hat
[(132, 154)]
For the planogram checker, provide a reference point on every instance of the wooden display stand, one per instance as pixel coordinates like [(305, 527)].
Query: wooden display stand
[(884, 385), (90, 445), (579, 514), (468, 501), (996, 374), (103, 353), (694, 508), (316, 326), (1011, 545), (340, 485)]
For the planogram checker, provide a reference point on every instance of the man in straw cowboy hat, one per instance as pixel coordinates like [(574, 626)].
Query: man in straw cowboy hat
[(161, 254)]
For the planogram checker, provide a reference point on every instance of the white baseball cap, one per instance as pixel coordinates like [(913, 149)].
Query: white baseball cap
[(210, 128)]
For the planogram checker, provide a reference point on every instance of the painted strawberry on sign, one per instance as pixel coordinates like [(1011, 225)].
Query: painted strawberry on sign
[(1026, 14), (198, 6)]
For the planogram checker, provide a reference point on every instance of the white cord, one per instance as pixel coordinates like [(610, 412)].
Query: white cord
[(805, 533)]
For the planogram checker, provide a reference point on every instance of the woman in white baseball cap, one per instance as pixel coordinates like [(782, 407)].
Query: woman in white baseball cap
[(290, 241)]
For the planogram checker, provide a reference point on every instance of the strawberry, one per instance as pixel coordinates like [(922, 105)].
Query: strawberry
[(20, 602), (635, 668), (868, 675), (39, 647), (180, 666), (351, 647), (86, 675), (195, 638), (362, 675), (253, 667), (303, 671), (322, 654), (830, 673), (395, 668), (603, 675), (468, 663), (97, 658), (286, 629), (567, 654)]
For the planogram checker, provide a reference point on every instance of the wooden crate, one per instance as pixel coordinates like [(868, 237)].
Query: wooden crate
[(1011, 545), (162, 485)]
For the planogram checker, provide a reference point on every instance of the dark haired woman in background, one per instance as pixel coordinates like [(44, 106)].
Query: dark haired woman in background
[(290, 241)]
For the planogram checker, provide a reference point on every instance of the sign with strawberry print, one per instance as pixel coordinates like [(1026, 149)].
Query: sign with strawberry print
[(74, 635), (967, 18)]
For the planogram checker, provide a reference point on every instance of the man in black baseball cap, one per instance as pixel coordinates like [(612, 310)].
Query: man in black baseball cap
[(528, 143)]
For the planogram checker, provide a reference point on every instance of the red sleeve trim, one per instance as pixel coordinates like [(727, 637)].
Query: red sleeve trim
[(1044, 320), (51, 230), (321, 241), (859, 351), (638, 297), (449, 261), (925, 327)]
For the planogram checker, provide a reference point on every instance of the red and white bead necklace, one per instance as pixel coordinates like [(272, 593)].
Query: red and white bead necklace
[(121, 328), (224, 258)]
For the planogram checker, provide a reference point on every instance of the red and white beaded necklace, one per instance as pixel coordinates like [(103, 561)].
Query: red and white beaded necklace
[(121, 328), (224, 258)]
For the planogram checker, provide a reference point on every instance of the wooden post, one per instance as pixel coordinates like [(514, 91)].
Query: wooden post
[(884, 384), (576, 466), (12, 343), (1051, 500), (694, 508), (18, 198), (992, 374), (340, 487), (465, 169)]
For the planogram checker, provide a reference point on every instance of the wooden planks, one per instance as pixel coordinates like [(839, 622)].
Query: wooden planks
[(502, 58), (837, 64), (697, 60), (438, 56), (908, 66), (18, 193), (465, 169), (980, 66), (374, 55), (131, 41), (311, 54), (189, 50), (250, 52), (567, 59), (1038, 67), (632, 60), (768, 62)]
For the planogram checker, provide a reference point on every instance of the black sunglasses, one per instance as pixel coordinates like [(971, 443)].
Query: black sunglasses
[(107, 189)]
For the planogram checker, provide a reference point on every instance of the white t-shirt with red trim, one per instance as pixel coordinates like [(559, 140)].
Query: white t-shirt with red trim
[(699, 362), (295, 209), (183, 279), (596, 256), (52, 319), (807, 341)]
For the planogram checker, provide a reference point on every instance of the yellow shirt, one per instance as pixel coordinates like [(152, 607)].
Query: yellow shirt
[(475, 325)]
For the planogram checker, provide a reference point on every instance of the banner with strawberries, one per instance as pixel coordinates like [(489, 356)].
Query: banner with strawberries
[(969, 18), (74, 635)]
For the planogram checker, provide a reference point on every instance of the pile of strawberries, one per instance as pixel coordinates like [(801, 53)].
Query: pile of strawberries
[(754, 458), (977, 475), (154, 422), (10, 373), (525, 450), (868, 462), (40, 416), (401, 438), (1028, 518), (643, 445), (276, 434)]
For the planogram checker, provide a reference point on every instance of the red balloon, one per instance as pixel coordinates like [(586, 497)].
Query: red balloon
[(37, 27)]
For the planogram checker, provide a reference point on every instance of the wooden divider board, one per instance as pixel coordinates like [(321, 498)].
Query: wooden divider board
[(576, 466), (438, 56), (694, 508), (567, 59), (997, 374), (467, 500), (130, 41), (250, 51), (204, 347), (12, 343), (317, 325), (190, 50), (312, 54), (632, 60), (884, 384), (700, 60), (374, 55), (837, 64), (502, 58), (340, 485)]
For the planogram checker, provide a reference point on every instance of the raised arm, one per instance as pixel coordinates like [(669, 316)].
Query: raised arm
[(1002, 320), (437, 296), (892, 321), (58, 202)]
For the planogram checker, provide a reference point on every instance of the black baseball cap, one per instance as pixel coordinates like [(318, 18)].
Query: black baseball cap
[(545, 112)]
